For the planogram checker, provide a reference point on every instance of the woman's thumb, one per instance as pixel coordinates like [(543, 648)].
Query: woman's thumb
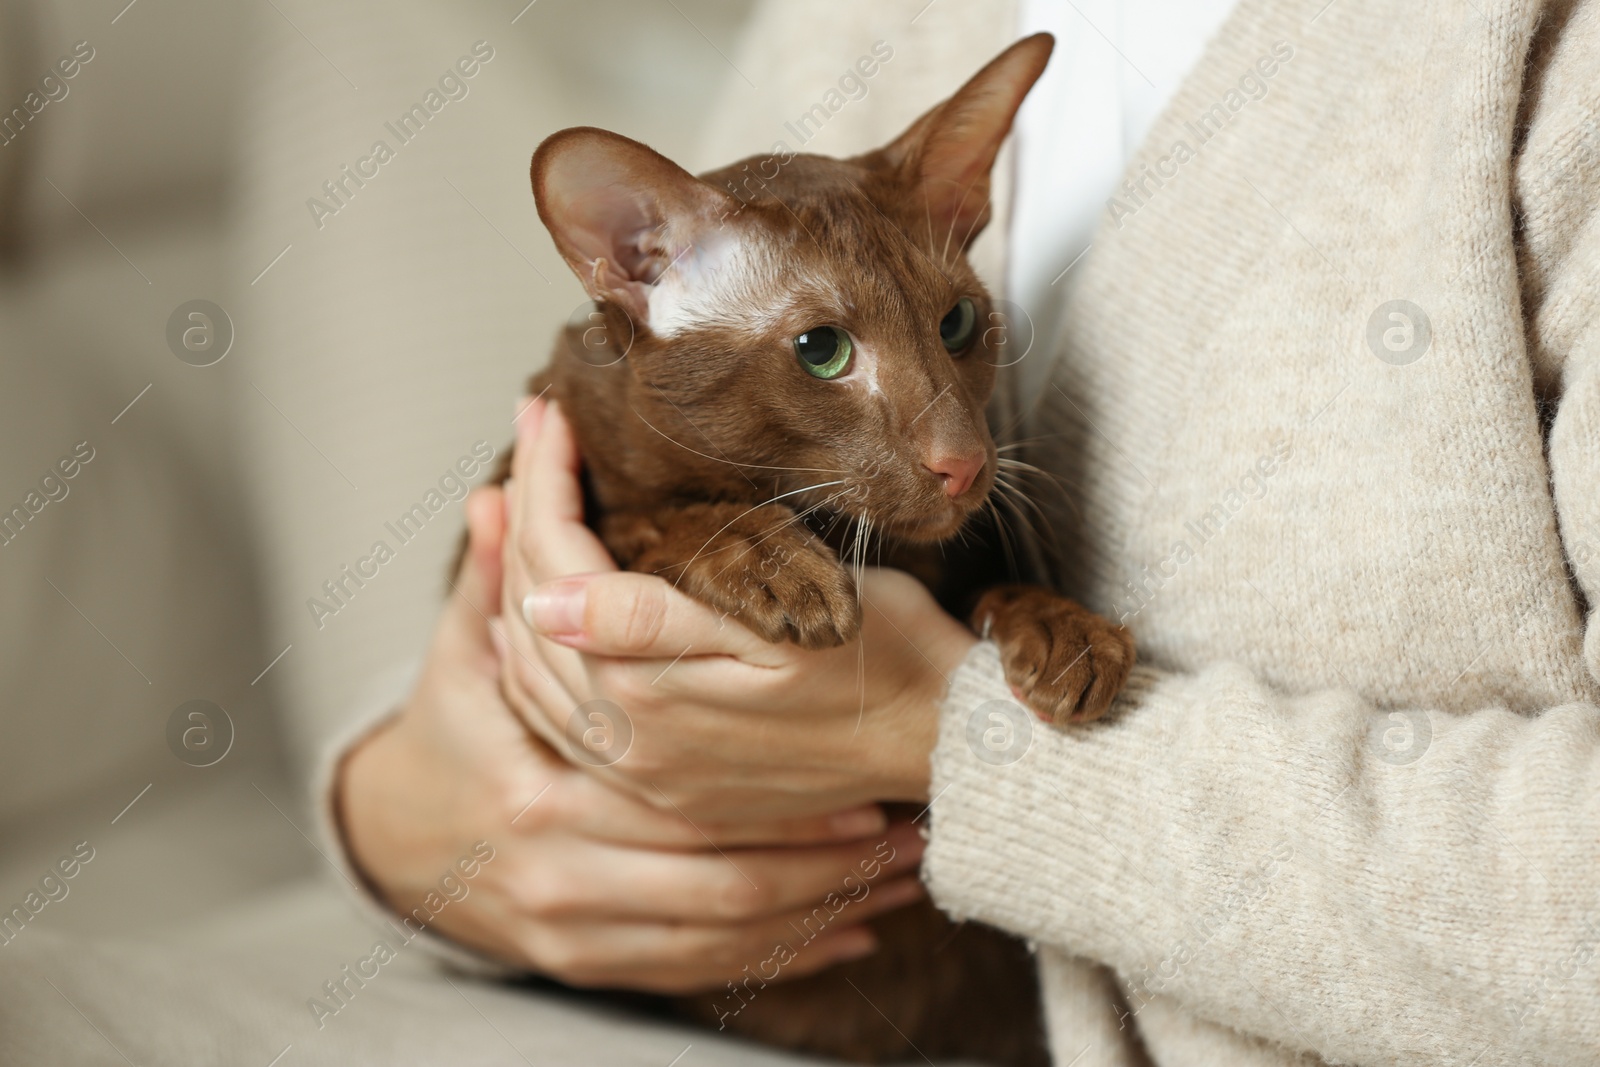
[(476, 586)]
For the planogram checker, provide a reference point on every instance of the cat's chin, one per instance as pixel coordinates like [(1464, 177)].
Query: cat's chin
[(929, 530)]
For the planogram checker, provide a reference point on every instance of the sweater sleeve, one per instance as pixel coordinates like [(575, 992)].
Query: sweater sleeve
[(1374, 886), (1371, 884)]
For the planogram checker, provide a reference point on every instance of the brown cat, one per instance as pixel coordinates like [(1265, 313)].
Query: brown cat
[(791, 359)]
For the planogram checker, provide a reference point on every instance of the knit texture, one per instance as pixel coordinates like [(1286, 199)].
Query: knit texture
[(1347, 810)]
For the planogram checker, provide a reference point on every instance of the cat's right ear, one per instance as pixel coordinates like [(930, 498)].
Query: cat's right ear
[(621, 213), (946, 155)]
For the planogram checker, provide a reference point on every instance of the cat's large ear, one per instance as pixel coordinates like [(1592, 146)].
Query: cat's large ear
[(946, 155), (620, 212)]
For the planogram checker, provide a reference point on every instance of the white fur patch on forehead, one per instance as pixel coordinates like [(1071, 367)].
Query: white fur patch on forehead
[(719, 278), (865, 373)]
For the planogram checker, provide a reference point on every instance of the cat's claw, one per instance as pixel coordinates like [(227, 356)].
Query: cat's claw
[(1062, 661), (785, 588)]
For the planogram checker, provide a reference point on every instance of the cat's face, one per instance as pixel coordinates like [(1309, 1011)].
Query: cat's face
[(809, 325), (824, 328)]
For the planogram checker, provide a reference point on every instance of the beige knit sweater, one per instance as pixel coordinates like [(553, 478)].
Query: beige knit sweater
[(1350, 807)]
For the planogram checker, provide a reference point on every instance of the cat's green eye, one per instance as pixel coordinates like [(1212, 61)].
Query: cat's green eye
[(955, 329), (824, 351)]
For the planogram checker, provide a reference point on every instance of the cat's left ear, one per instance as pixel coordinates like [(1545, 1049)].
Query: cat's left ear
[(621, 213), (947, 154)]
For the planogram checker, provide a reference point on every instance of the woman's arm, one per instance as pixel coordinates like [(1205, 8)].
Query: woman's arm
[(1373, 886)]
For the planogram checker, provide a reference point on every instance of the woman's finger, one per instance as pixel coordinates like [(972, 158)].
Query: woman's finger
[(548, 536), (529, 414), (552, 540), (579, 803), (531, 685), (640, 616), (477, 585), (735, 887), (686, 958)]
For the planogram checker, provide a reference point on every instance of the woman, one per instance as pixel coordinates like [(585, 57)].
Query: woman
[(1327, 397)]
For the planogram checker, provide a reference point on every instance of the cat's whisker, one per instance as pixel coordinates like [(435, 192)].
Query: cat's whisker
[(1019, 502), (1015, 444), (777, 528), (850, 557), (833, 523), (940, 267), (1051, 480), (746, 511), (1017, 516), (944, 254), (856, 557), (1024, 508), (866, 544), (863, 522), (1029, 469), (1003, 531), (662, 393), (1004, 484), (987, 199), (861, 682), (735, 463), (1007, 467)]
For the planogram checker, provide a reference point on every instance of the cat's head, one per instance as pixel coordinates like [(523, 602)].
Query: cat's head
[(807, 325)]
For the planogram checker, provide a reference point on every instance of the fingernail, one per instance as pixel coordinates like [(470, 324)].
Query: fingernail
[(557, 607), (858, 823)]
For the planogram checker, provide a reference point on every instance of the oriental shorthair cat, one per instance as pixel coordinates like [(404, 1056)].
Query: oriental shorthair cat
[(793, 365)]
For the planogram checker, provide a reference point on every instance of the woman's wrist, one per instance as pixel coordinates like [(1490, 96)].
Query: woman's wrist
[(911, 724), (371, 787)]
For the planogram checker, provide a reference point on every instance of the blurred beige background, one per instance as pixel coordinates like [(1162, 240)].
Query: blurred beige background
[(177, 567)]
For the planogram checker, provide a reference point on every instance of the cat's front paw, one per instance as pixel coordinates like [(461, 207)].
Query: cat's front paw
[(760, 567), (1062, 660)]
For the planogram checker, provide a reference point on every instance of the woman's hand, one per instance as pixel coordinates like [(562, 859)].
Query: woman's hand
[(588, 884), (690, 711)]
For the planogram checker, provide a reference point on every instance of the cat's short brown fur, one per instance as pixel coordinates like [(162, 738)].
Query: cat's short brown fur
[(715, 458)]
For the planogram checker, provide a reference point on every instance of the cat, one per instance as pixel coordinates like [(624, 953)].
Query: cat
[(785, 363)]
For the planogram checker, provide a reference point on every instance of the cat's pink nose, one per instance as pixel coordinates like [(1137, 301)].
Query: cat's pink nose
[(956, 473)]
